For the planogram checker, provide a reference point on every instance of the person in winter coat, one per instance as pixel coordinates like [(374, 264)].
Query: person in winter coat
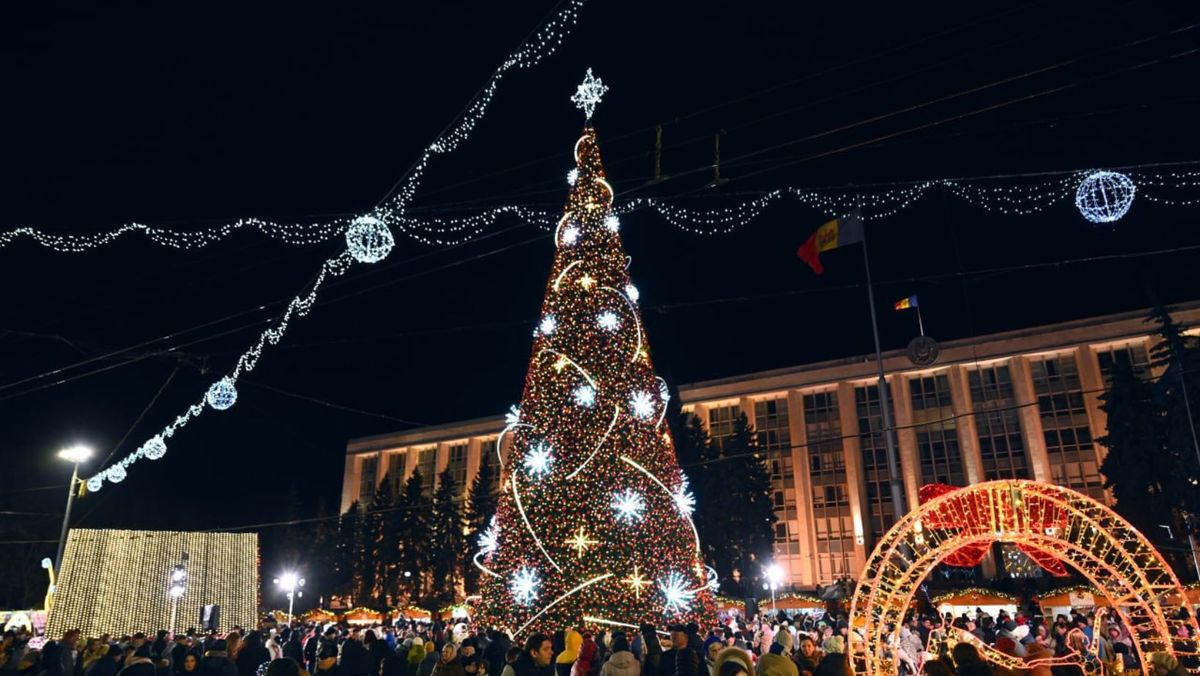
[(416, 655), (354, 660), (496, 650), (536, 657), (432, 656), (107, 665), (252, 655), (680, 660), (651, 653), (807, 657), (774, 663), (909, 650), (621, 662), (292, 647), (216, 660), (449, 664), (834, 664), (1163, 663), (572, 641), (733, 656), (139, 663), (589, 652)]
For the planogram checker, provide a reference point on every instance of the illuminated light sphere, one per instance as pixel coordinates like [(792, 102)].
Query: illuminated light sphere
[(612, 223), (94, 484), (570, 235), (585, 395), (116, 473), (47, 563), (539, 459), (155, 448), (608, 320), (629, 506), (524, 585), (642, 404), (369, 239), (572, 177), (222, 394), (632, 293), (1105, 196), (677, 597), (547, 325)]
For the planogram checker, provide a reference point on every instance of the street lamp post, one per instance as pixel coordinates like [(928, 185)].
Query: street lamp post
[(74, 455), (290, 583), (774, 577)]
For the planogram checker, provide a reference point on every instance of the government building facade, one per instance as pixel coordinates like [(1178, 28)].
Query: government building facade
[(1021, 404)]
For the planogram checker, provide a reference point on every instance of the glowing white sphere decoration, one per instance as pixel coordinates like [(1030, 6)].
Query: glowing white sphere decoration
[(116, 473), (369, 239), (222, 394), (1104, 196), (95, 484), (155, 448)]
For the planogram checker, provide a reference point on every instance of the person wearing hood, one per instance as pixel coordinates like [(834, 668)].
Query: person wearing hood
[(622, 661), (733, 655), (807, 656), (565, 662), (776, 661), (587, 663), (416, 655)]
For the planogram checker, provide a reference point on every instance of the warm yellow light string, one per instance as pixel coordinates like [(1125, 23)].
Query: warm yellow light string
[(614, 623), (521, 509), (611, 425), (583, 585), (558, 280)]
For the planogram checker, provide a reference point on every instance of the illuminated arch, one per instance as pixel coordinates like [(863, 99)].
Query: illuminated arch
[(1105, 548)]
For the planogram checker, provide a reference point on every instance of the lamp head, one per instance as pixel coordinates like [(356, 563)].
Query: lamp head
[(76, 454)]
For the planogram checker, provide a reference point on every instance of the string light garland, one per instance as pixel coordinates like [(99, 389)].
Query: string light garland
[(1105, 549), (578, 393), (368, 237)]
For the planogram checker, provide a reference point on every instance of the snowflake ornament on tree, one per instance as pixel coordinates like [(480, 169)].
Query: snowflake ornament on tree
[(587, 95)]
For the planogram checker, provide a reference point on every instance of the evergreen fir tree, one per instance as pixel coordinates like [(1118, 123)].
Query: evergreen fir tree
[(1178, 392), (447, 545), (414, 537), (750, 517), (699, 459), (385, 552), (481, 510), (346, 556), (1133, 464)]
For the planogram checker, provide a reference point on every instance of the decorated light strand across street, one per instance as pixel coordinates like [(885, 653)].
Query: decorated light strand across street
[(368, 240), (551, 561)]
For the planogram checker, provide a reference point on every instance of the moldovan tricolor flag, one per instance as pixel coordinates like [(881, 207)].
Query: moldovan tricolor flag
[(839, 232), (907, 303)]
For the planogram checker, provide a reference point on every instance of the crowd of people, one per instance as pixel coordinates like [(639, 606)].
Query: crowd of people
[(771, 645)]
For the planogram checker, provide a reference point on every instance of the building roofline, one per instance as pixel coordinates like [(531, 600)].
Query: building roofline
[(430, 434), (853, 360)]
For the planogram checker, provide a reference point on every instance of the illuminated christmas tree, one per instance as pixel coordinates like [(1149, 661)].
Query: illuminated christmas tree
[(594, 521)]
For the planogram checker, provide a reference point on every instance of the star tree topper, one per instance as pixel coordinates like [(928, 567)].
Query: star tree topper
[(588, 94)]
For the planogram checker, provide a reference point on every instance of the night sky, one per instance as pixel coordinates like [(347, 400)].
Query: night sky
[(188, 116)]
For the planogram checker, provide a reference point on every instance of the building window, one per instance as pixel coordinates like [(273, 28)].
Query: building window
[(397, 464), (1133, 355), (880, 511), (1073, 460), (720, 422), (427, 464), (1001, 444), (368, 471), (775, 439), (457, 465), (831, 520), (487, 448), (937, 431)]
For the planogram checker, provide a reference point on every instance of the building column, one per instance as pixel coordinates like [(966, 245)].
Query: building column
[(855, 483), (351, 477), (964, 419), (798, 433), (906, 439), (441, 460), (1031, 419), (474, 456)]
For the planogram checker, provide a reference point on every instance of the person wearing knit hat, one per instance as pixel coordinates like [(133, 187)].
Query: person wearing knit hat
[(784, 639), (833, 644), (775, 662)]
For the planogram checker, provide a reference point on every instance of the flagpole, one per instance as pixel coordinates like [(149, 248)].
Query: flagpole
[(920, 322), (889, 432)]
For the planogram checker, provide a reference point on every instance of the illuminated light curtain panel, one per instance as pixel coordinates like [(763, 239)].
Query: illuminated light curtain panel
[(118, 581)]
